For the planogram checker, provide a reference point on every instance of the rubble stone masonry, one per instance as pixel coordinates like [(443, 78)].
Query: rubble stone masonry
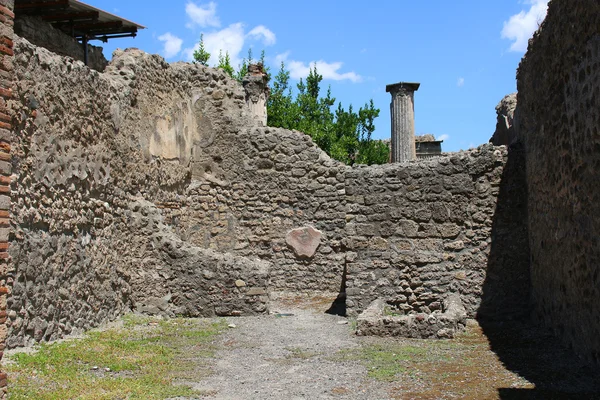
[(151, 187), (558, 108), (6, 118)]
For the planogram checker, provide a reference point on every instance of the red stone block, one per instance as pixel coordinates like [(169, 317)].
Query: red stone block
[(7, 12), (6, 50), (7, 42)]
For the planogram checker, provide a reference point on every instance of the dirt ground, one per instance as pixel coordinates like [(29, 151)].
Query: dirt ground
[(300, 352)]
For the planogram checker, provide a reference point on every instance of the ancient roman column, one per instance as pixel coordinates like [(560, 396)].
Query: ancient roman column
[(257, 92), (402, 109)]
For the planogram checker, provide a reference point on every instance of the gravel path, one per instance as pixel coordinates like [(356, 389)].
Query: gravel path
[(289, 357)]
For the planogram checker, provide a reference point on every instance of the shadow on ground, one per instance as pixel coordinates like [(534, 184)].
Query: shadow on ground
[(338, 307), (505, 312)]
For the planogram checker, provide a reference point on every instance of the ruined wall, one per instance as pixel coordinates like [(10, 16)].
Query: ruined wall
[(41, 33), (82, 252), (6, 94), (151, 187), (419, 231), (241, 188), (91, 147), (505, 132), (280, 181), (558, 106)]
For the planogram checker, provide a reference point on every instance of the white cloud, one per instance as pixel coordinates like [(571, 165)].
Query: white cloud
[(231, 40), (203, 16), (460, 82), (520, 27), (172, 45), (267, 35), (299, 69), (443, 137)]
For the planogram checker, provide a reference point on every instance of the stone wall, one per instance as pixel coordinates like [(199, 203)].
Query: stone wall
[(152, 187), (265, 182), (88, 244), (6, 117), (505, 132), (558, 107), (41, 33), (419, 231)]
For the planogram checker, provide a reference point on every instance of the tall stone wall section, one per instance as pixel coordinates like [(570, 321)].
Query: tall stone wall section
[(559, 122), (241, 187), (420, 231), (88, 243)]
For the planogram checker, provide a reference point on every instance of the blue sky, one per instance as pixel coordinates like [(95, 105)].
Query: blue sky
[(463, 52)]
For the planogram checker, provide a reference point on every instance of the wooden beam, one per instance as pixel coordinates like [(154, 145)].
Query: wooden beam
[(94, 26), (42, 4), (74, 16)]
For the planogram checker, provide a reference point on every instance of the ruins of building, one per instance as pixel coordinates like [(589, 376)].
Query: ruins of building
[(402, 112), (505, 133), (152, 186), (427, 146), (404, 145)]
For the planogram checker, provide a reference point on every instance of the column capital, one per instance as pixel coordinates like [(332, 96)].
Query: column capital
[(402, 87)]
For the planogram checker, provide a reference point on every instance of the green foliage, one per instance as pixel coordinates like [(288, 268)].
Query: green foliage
[(201, 56), (225, 64), (243, 69), (146, 359), (344, 134), (282, 109)]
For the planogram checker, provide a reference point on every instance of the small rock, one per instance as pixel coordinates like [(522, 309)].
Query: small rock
[(256, 292), (343, 322), (106, 369), (95, 367), (232, 326), (240, 283)]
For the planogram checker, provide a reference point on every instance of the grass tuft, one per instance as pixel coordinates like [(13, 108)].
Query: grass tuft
[(143, 360)]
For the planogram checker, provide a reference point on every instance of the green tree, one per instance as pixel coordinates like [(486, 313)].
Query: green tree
[(370, 151), (282, 110), (344, 134), (200, 55), (243, 68), (225, 63)]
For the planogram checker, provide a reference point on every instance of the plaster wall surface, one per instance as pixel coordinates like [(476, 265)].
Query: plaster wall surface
[(559, 122)]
